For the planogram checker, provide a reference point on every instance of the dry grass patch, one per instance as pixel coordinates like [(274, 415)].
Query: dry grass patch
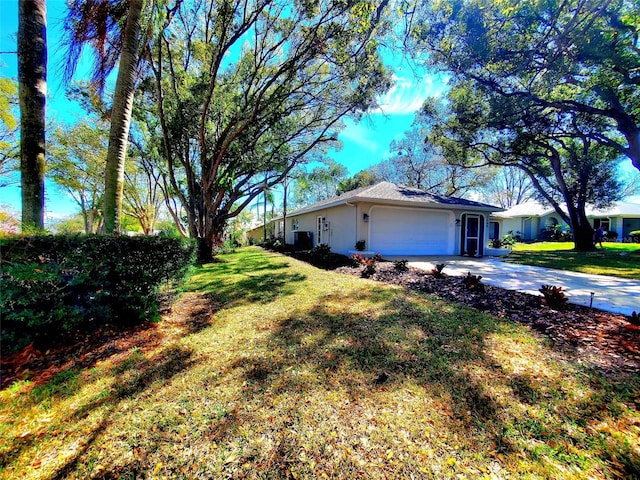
[(302, 373)]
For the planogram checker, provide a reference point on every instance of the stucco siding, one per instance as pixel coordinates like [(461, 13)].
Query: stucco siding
[(511, 225), (339, 231)]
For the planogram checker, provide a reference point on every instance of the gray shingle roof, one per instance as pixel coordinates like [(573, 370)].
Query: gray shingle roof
[(390, 193)]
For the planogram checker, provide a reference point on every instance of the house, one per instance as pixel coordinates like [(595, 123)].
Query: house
[(256, 233), (530, 220), (392, 220)]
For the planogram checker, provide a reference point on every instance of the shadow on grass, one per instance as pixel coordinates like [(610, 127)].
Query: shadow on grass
[(134, 376), (262, 279), (380, 349), (404, 339), (436, 351)]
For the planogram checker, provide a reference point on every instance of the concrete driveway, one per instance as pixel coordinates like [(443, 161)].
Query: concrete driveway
[(611, 294)]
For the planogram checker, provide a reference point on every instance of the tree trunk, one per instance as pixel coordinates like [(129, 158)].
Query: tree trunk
[(205, 250), (583, 238), (285, 185), (634, 147), (121, 119), (211, 237), (32, 75), (264, 217)]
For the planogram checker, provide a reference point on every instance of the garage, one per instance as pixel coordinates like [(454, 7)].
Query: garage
[(409, 231)]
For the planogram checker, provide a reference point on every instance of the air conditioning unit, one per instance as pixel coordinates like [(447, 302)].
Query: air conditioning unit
[(302, 240)]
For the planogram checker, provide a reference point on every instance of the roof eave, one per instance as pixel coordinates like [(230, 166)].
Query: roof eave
[(404, 203)]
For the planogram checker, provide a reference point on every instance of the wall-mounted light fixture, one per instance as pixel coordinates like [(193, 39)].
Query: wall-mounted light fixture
[(365, 217), (457, 222)]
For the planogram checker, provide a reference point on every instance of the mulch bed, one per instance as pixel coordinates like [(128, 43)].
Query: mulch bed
[(106, 343), (606, 341)]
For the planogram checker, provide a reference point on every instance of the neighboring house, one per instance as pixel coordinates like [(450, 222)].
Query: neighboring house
[(392, 220), (255, 234), (529, 220)]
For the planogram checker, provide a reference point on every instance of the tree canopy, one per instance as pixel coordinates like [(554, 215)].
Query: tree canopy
[(577, 57), (247, 91), (547, 87), (9, 151), (77, 162)]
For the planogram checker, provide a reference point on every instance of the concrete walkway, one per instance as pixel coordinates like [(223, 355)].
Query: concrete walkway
[(611, 294)]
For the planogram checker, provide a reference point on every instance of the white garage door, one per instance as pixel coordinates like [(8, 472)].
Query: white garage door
[(402, 231)]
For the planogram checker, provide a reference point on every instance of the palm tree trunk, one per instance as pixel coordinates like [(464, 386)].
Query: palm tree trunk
[(121, 119), (32, 75)]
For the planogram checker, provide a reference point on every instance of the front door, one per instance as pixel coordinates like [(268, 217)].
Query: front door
[(472, 229), (320, 221), (472, 235)]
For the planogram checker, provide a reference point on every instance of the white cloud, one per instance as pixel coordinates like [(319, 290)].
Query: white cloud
[(359, 135), (407, 94)]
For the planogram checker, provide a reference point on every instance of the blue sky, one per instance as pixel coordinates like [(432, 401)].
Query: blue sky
[(365, 142), (59, 109)]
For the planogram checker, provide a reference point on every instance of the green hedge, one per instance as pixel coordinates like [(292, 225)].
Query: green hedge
[(51, 286)]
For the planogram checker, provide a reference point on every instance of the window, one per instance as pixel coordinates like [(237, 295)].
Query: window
[(494, 230)]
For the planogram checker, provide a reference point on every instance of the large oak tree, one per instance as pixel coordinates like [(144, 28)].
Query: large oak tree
[(556, 150), (576, 57), (248, 90)]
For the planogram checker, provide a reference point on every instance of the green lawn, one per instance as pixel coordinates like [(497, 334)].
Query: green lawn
[(617, 259), (279, 374)]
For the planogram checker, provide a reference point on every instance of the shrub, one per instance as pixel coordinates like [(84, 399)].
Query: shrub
[(554, 297), (356, 260), (54, 285), (472, 282), (437, 272), (401, 265), (274, 244), (509, 240), (369, 263), (360, 245), (566, 236), (369, 267), (495, 243), (635, 236), (228, 246), (322, 257), (321, 252)]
